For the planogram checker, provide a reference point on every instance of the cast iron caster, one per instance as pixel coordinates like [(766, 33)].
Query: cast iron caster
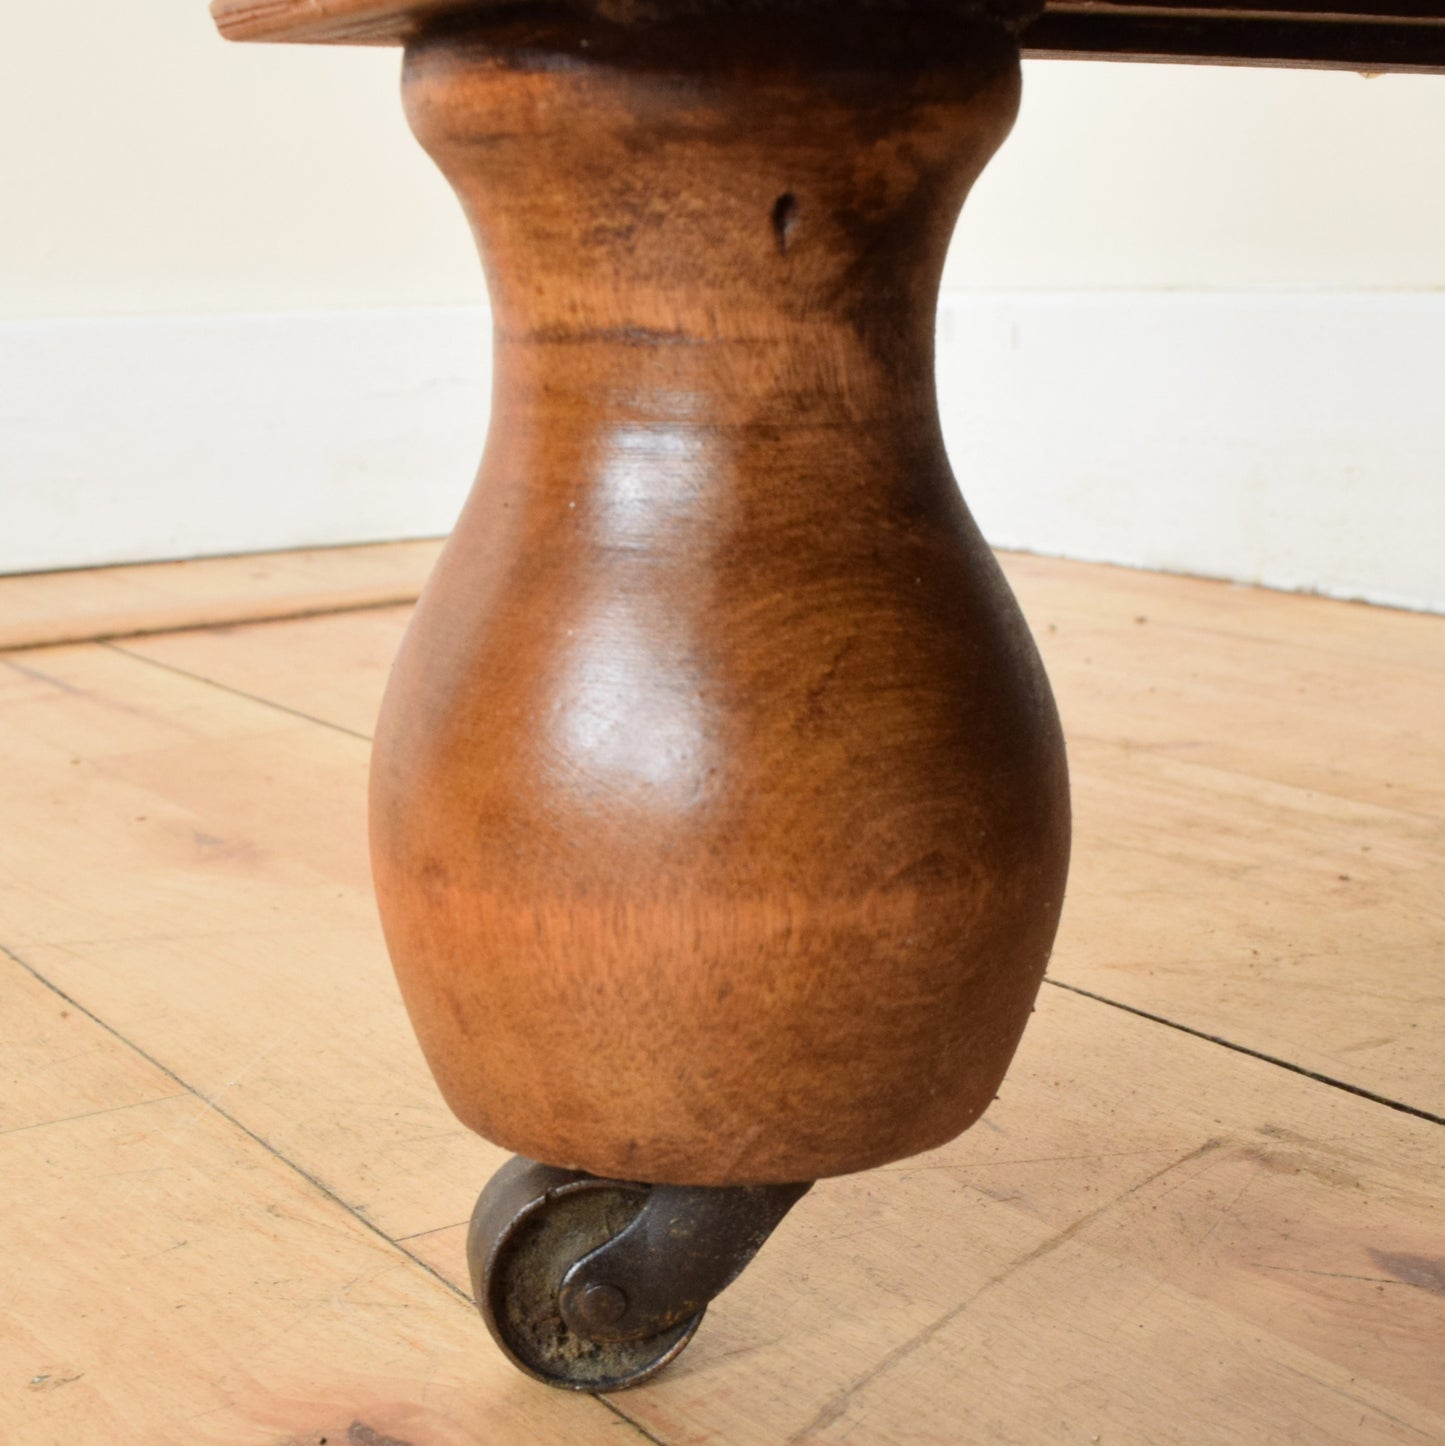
[(595, 1285)]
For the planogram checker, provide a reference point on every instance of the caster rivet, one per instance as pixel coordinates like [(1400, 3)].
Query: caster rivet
[(602, 1305)]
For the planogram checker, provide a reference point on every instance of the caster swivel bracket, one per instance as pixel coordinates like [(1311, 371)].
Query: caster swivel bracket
[(686, 1246), (595, 1285)]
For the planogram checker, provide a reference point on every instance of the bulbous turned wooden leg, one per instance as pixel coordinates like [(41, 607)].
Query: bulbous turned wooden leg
[(719, 806)]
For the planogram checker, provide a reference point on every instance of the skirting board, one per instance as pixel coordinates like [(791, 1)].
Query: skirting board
[(1291, 439)]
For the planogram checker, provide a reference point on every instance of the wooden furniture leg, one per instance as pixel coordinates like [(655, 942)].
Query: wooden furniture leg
[(719, 803)]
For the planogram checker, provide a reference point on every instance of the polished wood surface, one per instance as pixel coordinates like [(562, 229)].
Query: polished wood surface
[(390, 22), (1372, 35), (354, 22), (225, 1199), (719, 811)]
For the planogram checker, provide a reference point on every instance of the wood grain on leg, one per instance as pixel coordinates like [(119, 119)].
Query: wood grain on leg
[(719, 808)]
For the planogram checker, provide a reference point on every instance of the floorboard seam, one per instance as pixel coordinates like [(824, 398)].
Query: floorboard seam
[(1324, 1079), (290, 1164), (235, 692), (93, 1114), (1160, 753), (401, 599), (433, 1230), (225, 1115), (631, 1421)]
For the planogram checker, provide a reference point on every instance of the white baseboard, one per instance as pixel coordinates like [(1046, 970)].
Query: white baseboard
[(1296, 440), (141, 438), (1291, 439)]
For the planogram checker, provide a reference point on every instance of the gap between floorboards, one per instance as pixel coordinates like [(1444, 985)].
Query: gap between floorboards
[(188, 1089)]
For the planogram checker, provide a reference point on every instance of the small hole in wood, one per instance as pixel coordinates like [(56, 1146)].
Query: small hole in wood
[(785, 218)]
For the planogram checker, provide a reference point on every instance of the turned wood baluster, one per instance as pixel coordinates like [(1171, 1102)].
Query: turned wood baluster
[(719, 803)]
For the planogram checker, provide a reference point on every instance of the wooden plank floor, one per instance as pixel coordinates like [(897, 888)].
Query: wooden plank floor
[(235, 1205)]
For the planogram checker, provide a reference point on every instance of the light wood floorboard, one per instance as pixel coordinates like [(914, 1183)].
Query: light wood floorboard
[(1150, 1237), (42, 609)]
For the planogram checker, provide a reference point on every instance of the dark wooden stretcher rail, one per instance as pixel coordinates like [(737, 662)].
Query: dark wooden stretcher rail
[(1368, 35)]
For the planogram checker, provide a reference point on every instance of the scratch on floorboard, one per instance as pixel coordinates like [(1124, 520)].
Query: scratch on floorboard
[(838, 1405)]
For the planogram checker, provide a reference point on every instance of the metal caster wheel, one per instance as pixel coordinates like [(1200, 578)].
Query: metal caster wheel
[(595, 1285)]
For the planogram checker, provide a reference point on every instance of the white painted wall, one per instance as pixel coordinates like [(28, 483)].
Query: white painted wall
[(1293, 439), (318, 382)]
